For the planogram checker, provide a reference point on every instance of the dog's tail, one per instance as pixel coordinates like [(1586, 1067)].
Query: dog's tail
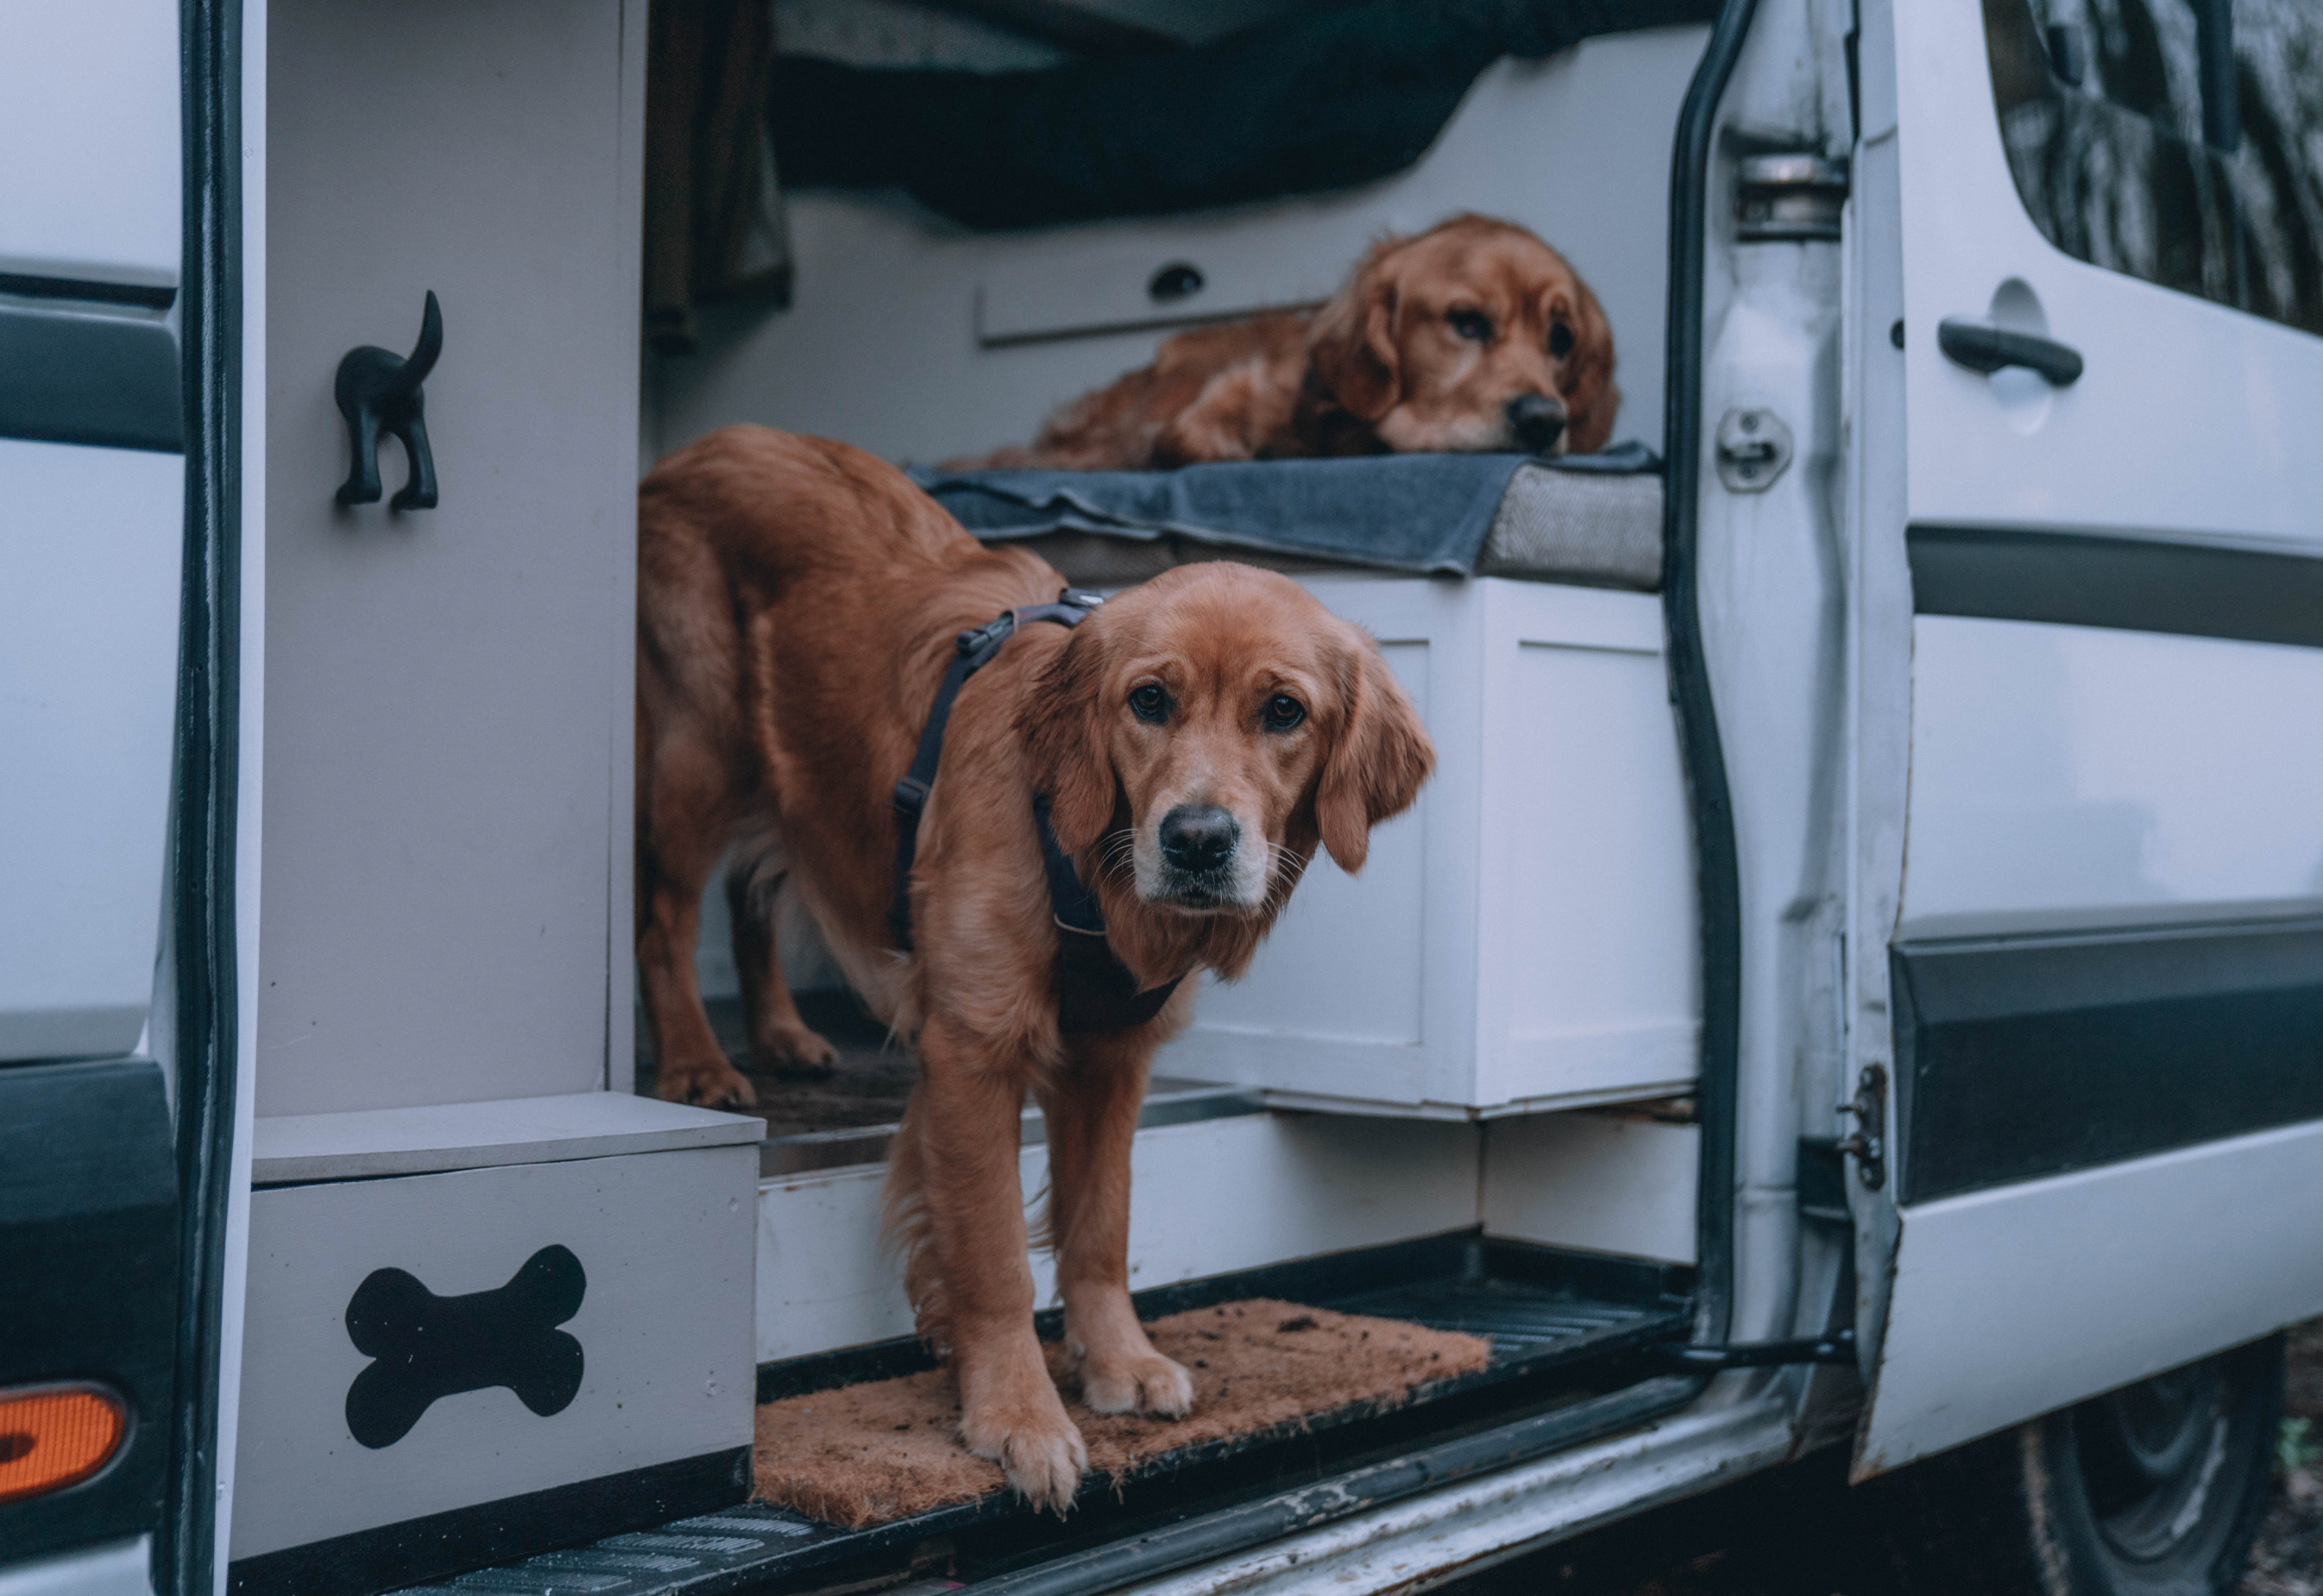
[(422, 358)]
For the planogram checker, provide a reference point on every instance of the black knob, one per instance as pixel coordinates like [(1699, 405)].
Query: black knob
[(1179, 280)]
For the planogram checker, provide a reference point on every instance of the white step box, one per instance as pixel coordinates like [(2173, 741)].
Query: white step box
[(471, 1327), (1524, 937)]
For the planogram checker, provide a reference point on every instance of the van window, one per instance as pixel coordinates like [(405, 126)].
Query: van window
[(2177, 140)]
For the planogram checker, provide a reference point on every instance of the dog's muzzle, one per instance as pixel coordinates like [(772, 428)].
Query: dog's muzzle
[(1538, 421), (1198, 843)]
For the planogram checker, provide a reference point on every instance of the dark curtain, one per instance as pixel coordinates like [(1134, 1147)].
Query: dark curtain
[(1319, 99), (713, 215)]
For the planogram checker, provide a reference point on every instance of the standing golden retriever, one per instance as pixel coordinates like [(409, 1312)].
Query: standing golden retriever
[(1196, 738), (1473, 335)]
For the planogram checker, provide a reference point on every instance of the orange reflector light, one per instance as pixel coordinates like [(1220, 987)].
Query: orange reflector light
[(56, 1436)]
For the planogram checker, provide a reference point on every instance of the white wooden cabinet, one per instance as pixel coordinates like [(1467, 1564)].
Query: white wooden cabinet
[(446, 715), (660, 1379), (1523, 938), (442, 809)]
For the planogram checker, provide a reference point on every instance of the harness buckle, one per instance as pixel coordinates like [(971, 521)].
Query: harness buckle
[(909, 798), (1080, 598), (991, 634)]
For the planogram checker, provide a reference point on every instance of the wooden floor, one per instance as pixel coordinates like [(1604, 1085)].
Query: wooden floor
[(873, 1078), (828, 1119)]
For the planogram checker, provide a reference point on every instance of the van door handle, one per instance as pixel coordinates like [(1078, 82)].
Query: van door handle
[(1982, 347)]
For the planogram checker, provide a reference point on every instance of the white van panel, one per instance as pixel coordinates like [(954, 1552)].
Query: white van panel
[(2027, 1299), (89, 141), (90, 544), (2191, 416), (121, 1568), (2064, 773)]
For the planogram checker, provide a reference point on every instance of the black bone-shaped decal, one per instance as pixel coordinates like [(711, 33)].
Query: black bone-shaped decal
[(425, 1347)]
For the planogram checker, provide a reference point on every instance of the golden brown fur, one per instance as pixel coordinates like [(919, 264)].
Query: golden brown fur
[(1385, 367), (797, 603)]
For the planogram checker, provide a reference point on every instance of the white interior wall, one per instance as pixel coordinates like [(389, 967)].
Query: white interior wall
[(881, 345), (1600, 1182)]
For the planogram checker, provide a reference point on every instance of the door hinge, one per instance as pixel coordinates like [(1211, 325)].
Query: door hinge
[(1868, 1145), (1794, 196)]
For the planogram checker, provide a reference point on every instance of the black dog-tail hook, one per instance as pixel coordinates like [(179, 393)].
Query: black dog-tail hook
[(379, 391)]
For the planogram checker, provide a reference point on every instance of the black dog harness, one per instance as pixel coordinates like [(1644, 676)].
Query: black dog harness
[(1095, 990)]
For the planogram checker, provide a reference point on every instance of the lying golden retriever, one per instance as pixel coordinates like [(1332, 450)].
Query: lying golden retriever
[(1194, 740), (1473, 335)]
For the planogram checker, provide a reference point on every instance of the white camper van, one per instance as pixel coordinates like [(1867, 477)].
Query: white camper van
[(1854, 981)]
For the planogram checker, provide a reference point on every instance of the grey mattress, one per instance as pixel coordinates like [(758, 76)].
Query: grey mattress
[(1593, 529)]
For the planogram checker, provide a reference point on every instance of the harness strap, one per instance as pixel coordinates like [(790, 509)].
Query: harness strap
[(1095, 990), (972, 650)]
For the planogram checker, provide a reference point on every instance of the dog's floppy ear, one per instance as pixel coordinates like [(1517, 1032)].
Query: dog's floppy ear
[(1351, 350), (1375, 768), (1062, 723), (1585, 381)]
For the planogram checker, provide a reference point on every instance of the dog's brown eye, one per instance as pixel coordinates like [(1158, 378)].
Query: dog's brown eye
[(1283, 712), (1560, 341), (1472, 324), (1150, 704)]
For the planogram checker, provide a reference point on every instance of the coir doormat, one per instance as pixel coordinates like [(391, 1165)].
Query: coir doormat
[(869, 1455)]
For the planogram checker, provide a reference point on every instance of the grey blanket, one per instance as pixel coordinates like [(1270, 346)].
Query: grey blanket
[(1400, 512)]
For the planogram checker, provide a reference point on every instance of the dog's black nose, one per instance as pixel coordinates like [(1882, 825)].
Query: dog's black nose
[(1199, 837), (1537, 420)]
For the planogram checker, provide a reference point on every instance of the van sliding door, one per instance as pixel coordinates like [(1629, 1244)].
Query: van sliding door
[(2087, 1011)]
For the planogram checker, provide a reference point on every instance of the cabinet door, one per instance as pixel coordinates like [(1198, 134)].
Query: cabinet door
[(446, 715)]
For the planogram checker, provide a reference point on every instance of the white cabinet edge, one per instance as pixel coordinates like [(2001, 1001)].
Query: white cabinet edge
[(438, 1137)]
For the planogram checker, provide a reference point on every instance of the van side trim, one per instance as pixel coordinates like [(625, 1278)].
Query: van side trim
[(1717, 868), (199, 961), (2029, 1056), (2201, 590), (89, 374)]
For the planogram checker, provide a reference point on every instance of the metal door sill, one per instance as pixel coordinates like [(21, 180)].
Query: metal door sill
[(1572, 1340)]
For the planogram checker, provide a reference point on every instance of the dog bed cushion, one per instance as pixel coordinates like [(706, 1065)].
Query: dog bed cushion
[(890, 1449), (1593, 520)]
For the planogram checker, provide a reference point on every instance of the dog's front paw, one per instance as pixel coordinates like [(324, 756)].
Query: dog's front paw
[(793, 1049), (1141, 1382), (1035, 1445), (712, 1082)]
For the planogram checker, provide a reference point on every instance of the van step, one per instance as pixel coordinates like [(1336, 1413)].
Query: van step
[(1573, 1343)]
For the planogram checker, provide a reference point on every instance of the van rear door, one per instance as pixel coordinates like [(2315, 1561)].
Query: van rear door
[(2088, 516)]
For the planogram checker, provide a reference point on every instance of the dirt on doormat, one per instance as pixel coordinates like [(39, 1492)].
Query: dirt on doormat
[(871, 1453)]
